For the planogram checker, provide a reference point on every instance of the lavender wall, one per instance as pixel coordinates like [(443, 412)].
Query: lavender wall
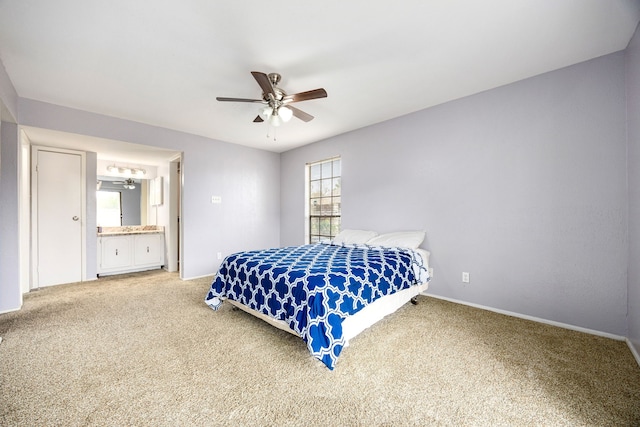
[(246, 178), (523, 186), (633, 135), (91, 239), (10, 298), (8, 95), (10, 295)]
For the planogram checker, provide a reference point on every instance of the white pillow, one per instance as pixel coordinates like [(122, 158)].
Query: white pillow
[(401, 239), (353, 237)]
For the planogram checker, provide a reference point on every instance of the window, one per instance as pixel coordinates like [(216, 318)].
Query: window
[(109, 209), (324, 199)]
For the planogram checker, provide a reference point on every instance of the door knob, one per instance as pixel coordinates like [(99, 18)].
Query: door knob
[(75, 218)]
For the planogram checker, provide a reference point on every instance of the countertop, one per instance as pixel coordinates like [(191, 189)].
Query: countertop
[(133, 229)]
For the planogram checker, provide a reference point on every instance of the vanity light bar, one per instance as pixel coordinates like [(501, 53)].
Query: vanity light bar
[(126, 170)]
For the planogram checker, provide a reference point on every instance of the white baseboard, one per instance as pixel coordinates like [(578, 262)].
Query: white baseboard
[(12, 310), (633, 351), (532, 318), (198, 277)]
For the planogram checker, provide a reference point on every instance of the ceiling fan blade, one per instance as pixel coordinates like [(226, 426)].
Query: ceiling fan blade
[(222, 98), (264, 82), (258, 119), (305, 117), (305, 96)]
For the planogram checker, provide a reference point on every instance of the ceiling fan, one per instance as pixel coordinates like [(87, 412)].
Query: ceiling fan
[(129, 183), (278, 108)]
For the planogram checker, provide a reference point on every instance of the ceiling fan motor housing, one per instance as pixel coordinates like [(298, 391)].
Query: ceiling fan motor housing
[(274, 98), (274, 78)]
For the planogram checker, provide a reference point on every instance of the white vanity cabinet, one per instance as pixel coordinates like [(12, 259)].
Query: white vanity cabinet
[(115, 253), (126, 253), (148, 249)]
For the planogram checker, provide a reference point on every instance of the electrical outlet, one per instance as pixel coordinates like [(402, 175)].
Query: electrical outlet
[(219, 255), (465, 277), (216, 199)]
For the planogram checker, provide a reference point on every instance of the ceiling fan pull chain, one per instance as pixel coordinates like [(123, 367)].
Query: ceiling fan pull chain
[(274, 132)]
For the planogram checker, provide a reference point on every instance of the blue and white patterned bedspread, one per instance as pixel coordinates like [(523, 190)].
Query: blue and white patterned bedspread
[(313, 288)]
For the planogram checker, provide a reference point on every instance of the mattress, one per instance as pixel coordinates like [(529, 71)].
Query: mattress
[(317, 290), (363, 319)]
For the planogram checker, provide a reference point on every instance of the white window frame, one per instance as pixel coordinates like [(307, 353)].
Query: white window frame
[(334, 229)]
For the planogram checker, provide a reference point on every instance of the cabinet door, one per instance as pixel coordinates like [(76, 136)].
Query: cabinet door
[(116, 252), (148, 249)]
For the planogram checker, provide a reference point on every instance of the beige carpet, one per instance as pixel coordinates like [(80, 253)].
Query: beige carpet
[(144, 349)]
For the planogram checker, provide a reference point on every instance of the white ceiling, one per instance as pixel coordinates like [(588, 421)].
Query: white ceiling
[(164, 62)]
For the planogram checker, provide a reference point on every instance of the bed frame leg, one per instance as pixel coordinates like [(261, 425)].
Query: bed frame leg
[(414, 300)]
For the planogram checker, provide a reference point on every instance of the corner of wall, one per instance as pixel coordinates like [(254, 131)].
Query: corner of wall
[(8, 97), (632, 83), (10, 295)]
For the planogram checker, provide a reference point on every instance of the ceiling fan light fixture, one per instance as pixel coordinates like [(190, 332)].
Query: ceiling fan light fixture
[(129, 184), (285, 113), (275, 119), (266, 112)]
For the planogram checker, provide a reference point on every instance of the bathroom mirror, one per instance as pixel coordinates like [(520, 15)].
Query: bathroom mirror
[(119, 201)]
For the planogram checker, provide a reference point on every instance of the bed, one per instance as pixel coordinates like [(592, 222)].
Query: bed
[(327, 292)]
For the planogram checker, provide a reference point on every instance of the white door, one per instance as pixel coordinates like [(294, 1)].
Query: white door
[(59, 218)]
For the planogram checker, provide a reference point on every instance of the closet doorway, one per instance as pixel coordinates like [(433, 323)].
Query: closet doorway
[(58, 216)]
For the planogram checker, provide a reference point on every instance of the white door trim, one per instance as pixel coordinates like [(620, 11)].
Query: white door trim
[(174, 227), (35, 283)]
